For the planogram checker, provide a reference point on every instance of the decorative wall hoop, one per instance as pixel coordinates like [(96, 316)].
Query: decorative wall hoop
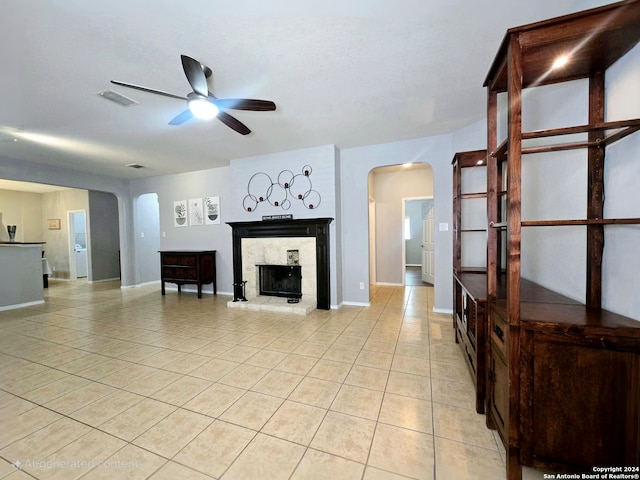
[(289, 186)]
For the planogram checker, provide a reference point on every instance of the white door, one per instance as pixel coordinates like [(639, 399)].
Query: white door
[(78, 267), (428, 244)]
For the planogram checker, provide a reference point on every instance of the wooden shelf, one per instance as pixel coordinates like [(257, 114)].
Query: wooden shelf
[(474, 195), (475, 282), (596, 38), (621, 130), (545, 309), (474, 158), (603, 221), (473, 270)]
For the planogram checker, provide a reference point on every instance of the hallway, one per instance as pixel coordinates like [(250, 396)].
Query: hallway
[(413, 277)]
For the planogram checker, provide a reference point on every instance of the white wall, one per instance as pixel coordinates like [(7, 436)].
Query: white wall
[(147, 232), (214, 182), (356, 163), (24, 210), (230, 184), (277, 168), (322, 161)]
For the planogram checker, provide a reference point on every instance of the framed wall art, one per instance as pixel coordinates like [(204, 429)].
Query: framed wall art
[(212, 210), (180, 213), (196, 212), (53, 224)]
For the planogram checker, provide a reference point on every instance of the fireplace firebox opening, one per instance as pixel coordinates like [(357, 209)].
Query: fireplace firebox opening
[(281, 281)]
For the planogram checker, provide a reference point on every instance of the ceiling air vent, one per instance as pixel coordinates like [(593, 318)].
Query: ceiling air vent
[(117, 97), (134, 165)]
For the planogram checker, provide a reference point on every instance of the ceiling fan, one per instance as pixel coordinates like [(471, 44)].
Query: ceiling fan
[(202, 103)]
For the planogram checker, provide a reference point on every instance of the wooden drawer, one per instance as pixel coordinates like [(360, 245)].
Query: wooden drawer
[(188, 260), (180, 260), (168, 259), (468, 349), (499, 331)]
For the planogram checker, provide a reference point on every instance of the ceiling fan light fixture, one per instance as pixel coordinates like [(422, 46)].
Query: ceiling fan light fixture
[(202, 108)]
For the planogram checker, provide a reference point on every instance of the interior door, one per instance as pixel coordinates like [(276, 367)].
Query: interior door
[(428, 243), (78, 267)]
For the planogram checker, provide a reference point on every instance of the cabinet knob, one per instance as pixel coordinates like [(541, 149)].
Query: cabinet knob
[(498, 331)]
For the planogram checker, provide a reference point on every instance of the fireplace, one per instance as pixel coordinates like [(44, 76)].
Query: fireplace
[(315, 229), (280, 281)]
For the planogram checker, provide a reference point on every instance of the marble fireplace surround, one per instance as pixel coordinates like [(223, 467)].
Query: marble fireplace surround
[(275, 237), (273, 251)]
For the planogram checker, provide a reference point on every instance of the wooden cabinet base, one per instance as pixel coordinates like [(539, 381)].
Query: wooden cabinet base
[(470, 325), (188, 267)]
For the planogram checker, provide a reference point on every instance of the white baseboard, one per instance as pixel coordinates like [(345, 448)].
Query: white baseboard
[(443, 310), (357, 304), (104, 280), (21, 305), (139, 285)]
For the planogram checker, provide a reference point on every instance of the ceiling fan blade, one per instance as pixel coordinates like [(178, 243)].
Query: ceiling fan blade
[(246, 104), (149, 90), (181, 118), (195, 75), (234, 123)]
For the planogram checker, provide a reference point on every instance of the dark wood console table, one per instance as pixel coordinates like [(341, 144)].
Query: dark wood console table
[(188, 267)]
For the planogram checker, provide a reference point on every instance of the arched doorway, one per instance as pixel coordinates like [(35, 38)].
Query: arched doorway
[(388, 187)]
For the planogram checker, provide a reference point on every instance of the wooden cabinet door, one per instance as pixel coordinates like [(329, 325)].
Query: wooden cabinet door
[(499, 391), (593, 386)]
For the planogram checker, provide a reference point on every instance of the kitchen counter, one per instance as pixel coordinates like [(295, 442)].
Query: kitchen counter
[(21, 277)]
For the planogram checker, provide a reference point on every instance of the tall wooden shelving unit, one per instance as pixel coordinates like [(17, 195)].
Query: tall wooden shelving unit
[(470, 282), (563, 377)]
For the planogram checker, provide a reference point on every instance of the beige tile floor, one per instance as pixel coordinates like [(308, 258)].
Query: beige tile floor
[(105, 383)]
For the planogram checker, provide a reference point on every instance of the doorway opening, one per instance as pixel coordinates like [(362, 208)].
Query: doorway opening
[(78, 245), (389, 187), (419, 241)]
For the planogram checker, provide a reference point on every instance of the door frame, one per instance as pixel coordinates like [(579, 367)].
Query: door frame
[(73, 268), (404, 249), (372, 241)]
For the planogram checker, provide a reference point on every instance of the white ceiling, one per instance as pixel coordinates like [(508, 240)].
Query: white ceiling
[(343, 72)]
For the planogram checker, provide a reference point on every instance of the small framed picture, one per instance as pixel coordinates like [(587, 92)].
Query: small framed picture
[(180, 214), (54, 223)]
